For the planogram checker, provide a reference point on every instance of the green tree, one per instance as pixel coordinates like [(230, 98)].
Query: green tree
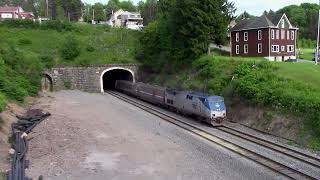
[(182, 32), (148, 10), (197, 24), (245, 15), (99, 13), (127, 6)]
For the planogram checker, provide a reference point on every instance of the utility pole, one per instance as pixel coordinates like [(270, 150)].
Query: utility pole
[(47, 10), (318, 39), (92, 15)]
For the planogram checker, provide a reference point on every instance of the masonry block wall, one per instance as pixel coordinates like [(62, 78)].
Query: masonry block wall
[(84, 78)]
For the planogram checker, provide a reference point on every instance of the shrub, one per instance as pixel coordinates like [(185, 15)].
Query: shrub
[(20, 23), (70, 49), (47, 60), (24, 41), (67, 84), (90, 48), (57, 25), (2, 103)]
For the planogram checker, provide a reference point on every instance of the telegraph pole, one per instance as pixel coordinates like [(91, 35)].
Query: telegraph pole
[(92, 15), (47, 5), (318, 39)]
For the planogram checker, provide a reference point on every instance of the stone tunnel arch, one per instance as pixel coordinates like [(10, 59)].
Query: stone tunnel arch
[(109, 76), (46, 83)]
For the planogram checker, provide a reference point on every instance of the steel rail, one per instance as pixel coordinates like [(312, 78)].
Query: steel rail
[(306, 158), (269, 163)]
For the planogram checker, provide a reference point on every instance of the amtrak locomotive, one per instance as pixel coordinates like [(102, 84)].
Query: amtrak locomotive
[(209, 108)]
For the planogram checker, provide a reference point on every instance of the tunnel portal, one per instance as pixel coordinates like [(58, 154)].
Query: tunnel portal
[(110, 77)]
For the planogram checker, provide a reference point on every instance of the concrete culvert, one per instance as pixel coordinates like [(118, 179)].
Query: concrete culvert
[(109, 78)]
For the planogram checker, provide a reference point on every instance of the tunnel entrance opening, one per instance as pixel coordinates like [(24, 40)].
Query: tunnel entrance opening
[(109, 78), (46, 84)]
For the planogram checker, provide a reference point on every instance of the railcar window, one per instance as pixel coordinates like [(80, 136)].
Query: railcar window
[(169, 101)]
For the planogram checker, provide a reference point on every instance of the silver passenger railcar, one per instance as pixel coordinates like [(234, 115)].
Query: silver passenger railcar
[(210, 108)]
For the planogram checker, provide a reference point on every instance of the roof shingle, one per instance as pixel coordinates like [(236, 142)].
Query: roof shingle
[(253, 23), (8, 9)]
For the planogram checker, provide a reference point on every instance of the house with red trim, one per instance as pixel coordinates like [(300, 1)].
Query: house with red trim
[(7, 12), (271, 37)]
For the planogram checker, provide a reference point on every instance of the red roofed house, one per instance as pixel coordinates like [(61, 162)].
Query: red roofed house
[(271, 37), (7, 12)]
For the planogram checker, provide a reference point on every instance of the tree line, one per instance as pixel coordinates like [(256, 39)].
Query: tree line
[(54, 9), (102, 12)]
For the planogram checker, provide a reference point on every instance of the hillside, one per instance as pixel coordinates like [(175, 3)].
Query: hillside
[(98, 44), (27, 48)]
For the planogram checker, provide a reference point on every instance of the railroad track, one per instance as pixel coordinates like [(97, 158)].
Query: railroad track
[(285, 170), (300, 156)]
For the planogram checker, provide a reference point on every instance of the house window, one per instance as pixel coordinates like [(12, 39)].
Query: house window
[(259, 35), (272, 34), (277, 34), (282, 23), (237, 37), (237, 49), (283, 48), (288, 35), (245, 36), (292, 35), (283, 34), (290, 48), (245, 49), (275, 48), (259, 48)]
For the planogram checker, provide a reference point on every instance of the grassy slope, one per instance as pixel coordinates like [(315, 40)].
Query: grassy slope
[(110, 45), (303, 72), (306, 54)]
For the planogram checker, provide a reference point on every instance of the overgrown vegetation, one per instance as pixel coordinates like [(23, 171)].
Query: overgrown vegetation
[(70, 49), (27, 48)]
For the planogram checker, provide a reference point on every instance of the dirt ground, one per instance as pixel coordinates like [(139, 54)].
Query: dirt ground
[(95, 136), (8, 117)]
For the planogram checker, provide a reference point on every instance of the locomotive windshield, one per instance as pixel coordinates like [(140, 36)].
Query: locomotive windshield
[(217, 106), (216, 103)]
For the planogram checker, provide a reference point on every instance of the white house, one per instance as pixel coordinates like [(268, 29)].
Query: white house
[(130, 20)]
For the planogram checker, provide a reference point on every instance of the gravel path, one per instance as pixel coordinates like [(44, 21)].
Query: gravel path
[(94, 136)]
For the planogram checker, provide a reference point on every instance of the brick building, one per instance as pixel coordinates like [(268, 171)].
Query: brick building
[(271, 37)]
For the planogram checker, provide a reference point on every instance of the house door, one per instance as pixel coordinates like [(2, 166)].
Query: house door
[(282, 58)]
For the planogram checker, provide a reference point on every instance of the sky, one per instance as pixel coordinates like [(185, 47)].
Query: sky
[(254, 7)]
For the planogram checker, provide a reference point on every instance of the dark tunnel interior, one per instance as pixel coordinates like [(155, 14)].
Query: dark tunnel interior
[(110, 78)]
